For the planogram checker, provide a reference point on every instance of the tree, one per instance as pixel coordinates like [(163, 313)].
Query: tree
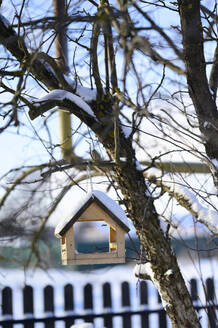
[(133, 68)]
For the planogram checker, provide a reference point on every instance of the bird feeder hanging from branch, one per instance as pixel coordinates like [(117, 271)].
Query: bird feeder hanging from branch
[(96, 206)]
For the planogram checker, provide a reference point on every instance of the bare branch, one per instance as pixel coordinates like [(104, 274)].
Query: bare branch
[(94, 57), (185, 198), (143, 44), (160, 31)]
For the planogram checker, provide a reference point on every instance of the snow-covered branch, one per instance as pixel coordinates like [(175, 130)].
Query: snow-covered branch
[(185, 198), (66, 100), (60, 94)]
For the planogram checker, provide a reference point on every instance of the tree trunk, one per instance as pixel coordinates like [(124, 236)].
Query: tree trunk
[(202, 97), (154, 244)]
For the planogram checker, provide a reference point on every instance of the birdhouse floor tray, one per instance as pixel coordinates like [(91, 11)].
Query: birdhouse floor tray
[(94, 258)]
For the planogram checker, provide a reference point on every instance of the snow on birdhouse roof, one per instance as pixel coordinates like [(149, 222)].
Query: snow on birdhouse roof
[(101, 199)]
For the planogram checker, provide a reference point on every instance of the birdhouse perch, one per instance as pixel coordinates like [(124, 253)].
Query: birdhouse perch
[(96, 206)]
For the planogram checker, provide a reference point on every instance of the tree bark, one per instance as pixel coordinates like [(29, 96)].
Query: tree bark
[(155, 245), (202, 97)]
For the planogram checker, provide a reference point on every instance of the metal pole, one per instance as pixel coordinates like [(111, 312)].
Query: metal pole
[(62, 60)]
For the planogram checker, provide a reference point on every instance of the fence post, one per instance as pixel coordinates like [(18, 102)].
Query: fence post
[(144, 303), (193, 290), (88, 300), (162, 317), (68, 303), (107, 304), (126, 304), (7, 305), (210, 300), (28, 307), (49, 304)]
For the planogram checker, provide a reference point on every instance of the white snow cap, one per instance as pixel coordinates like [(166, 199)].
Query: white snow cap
[(143, 269), (87, 94), (83, 325), (59, 94), (109, 203)]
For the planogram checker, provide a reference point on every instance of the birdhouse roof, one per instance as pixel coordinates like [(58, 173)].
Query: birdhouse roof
[(104, 202)]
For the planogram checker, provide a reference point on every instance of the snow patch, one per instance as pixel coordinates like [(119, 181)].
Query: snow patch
[(83, 325), (169, 272), (59, 94), (146, 269), (143, 269), (154, 173), (207, 125), (86, 94)]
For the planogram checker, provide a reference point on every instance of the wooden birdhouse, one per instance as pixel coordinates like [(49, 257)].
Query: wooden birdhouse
[(96, 206)]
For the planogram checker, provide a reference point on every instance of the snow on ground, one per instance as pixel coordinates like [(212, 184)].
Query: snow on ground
[(115, 275)]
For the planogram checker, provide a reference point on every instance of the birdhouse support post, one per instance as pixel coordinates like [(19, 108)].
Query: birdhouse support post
[(68, 247), (112, 239)]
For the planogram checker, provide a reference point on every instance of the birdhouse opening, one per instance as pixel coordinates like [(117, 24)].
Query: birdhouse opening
[(96, 237)]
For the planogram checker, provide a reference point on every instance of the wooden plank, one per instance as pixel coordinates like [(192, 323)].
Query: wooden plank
[(96, 213), (210, 299), (48, 293), (28, 307), (69, 245), (120, 242), (68, 303), (93, 213), (125, 291), (7, 305), (112, 239), (104, 260), (88, 300), (7, 302), (112, 247), (107, 304), (194, 289), (95, 255)]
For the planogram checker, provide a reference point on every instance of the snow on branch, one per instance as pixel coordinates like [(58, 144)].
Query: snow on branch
[(87, 94), (185, 198), (145, 271), (61, 95)]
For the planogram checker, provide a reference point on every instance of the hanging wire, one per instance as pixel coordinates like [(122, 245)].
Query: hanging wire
[(89, 183)]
